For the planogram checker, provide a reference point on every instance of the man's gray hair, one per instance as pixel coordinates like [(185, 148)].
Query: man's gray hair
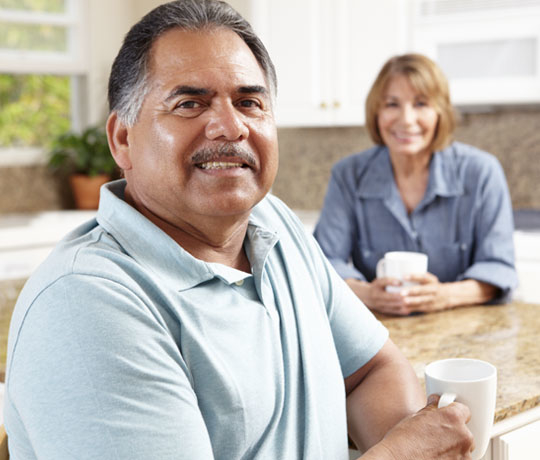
[(129, 81)]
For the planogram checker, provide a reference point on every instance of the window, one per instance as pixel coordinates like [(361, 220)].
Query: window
[(42, 73)]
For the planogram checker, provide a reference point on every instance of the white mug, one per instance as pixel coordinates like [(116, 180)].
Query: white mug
[(400, 264), (472, 382)]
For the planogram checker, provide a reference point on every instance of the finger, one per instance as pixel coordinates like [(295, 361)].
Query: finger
[(383, 282), (433, 400), (420, 303), (425, 278)]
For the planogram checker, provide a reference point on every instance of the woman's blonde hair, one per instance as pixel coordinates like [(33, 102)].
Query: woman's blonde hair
[(426, 78)]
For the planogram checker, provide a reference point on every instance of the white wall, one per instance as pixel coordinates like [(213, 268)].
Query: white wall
[(109, 21)]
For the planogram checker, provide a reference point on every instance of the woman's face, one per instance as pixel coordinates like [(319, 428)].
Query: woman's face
[(407, 120)]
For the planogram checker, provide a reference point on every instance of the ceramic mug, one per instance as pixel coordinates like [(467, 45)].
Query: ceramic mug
[(399, 264), (472, 382)]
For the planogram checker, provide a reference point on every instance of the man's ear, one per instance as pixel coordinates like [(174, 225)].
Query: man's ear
[(117, 134)]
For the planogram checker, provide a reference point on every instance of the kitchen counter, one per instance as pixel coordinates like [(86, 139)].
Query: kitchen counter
[(505, 335), (9, 291)]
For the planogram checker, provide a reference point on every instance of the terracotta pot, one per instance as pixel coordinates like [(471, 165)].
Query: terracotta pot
[(86, 189)]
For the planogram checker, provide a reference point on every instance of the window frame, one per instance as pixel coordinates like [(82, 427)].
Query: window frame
[(73, 63)]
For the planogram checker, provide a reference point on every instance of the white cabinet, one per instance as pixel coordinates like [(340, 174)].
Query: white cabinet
[(327, 53), (489, 50), (520, 444), (517, 438)]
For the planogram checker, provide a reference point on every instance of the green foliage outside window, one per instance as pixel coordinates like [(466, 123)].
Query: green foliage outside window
[(48, 6), (34, 109), (41, 37)]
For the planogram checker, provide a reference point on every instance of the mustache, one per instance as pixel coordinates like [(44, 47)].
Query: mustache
[(224, 151)]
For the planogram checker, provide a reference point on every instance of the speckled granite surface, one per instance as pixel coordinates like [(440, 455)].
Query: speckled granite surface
[(507, 336), (9, 291)]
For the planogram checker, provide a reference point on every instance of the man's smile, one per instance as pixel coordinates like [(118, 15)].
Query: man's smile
[(221, 165)]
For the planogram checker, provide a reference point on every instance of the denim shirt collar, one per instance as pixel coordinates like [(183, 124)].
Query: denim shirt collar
[(379, 181)]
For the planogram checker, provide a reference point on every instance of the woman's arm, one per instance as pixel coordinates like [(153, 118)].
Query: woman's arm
[(429, 295)]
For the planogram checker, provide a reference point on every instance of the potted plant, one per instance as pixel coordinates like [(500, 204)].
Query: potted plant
[(86, 158)]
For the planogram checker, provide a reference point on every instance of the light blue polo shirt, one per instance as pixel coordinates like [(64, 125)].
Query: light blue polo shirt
[(124, 346)]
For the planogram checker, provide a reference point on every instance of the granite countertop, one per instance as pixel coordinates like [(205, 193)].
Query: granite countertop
[(504, 335), (9, 291)]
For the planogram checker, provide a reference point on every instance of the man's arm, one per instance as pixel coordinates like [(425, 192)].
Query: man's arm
[(380, 394), (384, 417)]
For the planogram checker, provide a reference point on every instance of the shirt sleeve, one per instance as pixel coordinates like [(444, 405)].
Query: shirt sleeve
[(336, 228), (358, 335), (493, 258), (96, 374)]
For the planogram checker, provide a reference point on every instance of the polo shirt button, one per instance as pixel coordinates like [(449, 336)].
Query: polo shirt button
[(239, 282)]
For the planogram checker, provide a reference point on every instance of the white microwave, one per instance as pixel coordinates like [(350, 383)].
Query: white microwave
[(488, 49)]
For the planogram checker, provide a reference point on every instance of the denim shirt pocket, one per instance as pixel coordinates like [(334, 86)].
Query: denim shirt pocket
[(367, 258), (447, 260)]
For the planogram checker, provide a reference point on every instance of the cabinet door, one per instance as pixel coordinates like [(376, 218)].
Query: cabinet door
[(297, 36), (520, 444), (366, 35), (327, 53)]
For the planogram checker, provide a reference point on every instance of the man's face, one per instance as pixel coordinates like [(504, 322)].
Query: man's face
[(205, 141)]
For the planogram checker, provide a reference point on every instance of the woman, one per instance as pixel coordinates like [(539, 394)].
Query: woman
[(417, 191)]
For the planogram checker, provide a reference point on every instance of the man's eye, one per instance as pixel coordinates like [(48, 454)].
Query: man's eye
[(249, 103), (188, 105)]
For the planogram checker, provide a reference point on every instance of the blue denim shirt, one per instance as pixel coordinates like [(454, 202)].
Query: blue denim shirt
[(463, 223)]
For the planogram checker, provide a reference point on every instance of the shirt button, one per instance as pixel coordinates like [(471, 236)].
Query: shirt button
[(239, 283)]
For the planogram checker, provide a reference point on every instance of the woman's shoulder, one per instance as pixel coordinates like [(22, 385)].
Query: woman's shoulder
[(359, 161), (470, 157)]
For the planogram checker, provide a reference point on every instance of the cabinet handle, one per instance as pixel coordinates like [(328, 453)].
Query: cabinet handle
[(323, 105), (337, 105)]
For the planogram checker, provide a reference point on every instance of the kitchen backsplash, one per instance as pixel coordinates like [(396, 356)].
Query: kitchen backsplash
[(513, 136), (307, 155)]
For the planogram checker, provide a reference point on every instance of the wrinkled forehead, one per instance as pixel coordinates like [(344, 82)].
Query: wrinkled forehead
[(202, 51)]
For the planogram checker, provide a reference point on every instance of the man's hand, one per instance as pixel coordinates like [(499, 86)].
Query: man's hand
[(430, 434)]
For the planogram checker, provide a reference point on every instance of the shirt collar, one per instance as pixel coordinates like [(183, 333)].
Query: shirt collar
[(443, 176), (158, 252)]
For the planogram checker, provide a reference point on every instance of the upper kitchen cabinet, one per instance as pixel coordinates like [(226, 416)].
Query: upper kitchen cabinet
[(327, 54), (488, 49)]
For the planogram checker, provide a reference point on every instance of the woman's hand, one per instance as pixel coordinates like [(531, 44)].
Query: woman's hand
[(429, 295), (375, 297)]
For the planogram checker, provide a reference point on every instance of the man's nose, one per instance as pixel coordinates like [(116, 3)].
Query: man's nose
[(226, 123)]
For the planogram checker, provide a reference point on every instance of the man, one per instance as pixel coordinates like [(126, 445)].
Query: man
[(194, 319)]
